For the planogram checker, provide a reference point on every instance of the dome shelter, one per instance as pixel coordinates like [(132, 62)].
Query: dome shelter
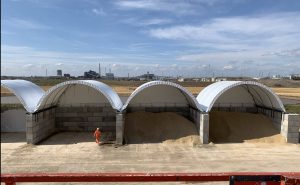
[(79, 105), (159, 97), (160, 94), (27, 95), (240, 96), (27, 92)]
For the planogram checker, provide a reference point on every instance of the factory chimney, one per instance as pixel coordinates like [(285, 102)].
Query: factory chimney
[(99, 70)]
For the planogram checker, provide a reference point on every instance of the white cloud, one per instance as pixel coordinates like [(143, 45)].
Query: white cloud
[(284, 53), (178, 7), (228, 67), (58, 64), (156, 21), (27, 65), (98, 11), (147, 22), (244, 32), (25, 24)]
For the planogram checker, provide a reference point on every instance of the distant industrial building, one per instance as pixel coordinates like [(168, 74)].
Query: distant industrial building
[(295, 77), (181, 79), (67, 75), (147, 76), (91, 74), (59, 72), (109, 76)]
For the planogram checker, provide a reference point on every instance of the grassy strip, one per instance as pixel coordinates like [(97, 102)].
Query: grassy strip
[(292, 108), (5, 107)]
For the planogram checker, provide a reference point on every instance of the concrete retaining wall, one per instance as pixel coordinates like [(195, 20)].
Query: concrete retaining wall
[(86, 118), (275, 116), (202, 122), (120, 122), (183, 111), (13, 120), (290, 127), (194, 116), (236, 109), (204, 128), (40, 125)]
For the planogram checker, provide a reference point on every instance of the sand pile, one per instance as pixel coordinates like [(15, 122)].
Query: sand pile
[(242, 127), (166, 127)]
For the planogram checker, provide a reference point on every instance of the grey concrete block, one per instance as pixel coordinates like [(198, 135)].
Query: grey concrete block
[(100, 114), (108, 129), (94, 109), (293, 129), (91, 128), (84, 114), (204, 128), (95, 124), (29, 141), (92, 119), (29, 135), (111, 114), (120, 123), (66, 114), (293, 135), (73, 119), (67, 124), (108, 109), (109, 118), (294, 140)]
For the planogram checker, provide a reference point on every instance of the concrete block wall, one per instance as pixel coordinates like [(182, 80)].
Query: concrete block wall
[(201, 120), (40, 125), (183, 111), (120, 122), (241, 108), (290, 127), (195, 116), (204, 128), (275, 116), (86, 118)]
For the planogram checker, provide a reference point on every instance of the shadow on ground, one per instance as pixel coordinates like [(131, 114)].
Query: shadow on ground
[(13, 137)]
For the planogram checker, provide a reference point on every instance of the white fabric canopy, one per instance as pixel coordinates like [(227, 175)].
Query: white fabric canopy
[(232, 93), (34, 98), (27, 92), (161, 92)]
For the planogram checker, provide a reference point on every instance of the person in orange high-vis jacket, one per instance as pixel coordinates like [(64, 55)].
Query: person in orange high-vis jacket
[(97, 135)]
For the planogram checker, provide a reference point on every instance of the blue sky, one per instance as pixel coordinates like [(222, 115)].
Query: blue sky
[(189, 38)]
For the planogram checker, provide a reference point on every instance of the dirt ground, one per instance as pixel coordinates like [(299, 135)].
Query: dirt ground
[(78, 154)]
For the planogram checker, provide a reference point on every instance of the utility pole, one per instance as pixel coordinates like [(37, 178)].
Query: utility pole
[(99, 70)]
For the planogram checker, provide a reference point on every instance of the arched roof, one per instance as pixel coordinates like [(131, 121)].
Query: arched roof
[(189, 97), (27, 92), (51, 97), (261, 95)]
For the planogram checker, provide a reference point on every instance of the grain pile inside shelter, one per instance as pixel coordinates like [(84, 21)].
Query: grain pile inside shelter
[(165, 127), (236, 127)]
